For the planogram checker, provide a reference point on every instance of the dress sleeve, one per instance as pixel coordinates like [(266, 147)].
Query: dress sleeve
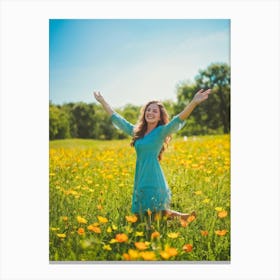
[(173, 126), (122, 124)]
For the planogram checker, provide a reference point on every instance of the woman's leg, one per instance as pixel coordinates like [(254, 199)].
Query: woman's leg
[(171, 214)]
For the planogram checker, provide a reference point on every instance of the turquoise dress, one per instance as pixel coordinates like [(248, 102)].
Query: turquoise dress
[(151, 191)]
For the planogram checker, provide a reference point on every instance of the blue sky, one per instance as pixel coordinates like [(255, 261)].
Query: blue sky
[(131, 60)]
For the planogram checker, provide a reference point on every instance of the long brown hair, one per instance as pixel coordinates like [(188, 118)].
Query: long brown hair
[(141, 127)]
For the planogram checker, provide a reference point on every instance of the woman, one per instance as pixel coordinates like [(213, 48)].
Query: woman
[(149, 137)]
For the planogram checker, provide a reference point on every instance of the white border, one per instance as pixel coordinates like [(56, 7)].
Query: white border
[(255, 137)]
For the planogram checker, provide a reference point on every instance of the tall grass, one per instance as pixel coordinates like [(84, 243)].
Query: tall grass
[(90, 199)]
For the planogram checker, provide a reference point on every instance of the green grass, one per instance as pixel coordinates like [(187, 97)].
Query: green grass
[(94, 180)]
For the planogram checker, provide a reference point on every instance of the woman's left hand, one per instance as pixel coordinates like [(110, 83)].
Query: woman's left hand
[(201, 96)]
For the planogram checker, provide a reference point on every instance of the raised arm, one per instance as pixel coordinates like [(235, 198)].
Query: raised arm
[(117, 120), (199, 97), (104, 104)]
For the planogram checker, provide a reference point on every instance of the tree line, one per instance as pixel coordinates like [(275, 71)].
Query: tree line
[(90, 121)]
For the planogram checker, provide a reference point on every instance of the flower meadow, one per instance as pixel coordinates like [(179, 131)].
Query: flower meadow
[(90, 190)]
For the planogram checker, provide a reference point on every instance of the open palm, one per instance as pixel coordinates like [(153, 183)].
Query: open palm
[(201, 95)]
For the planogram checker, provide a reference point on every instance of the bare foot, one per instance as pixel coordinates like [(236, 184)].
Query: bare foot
[(171, 214), (185, 217)]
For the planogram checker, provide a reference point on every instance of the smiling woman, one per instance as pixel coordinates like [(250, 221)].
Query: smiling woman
[(151, 193), (152, 115)]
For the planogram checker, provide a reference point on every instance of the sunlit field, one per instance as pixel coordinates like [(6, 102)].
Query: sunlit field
[(90, 199)]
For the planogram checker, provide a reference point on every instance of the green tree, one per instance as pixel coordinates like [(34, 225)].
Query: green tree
[(59, 127), (169, 106), (103, 128), (212, 116), (216, 77), (83, 117), (185, 93), (130, 112)]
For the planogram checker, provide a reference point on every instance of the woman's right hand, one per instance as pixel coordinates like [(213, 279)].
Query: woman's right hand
[(98, 96)]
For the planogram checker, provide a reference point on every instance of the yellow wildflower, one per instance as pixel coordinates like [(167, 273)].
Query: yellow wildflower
[(171, 251), (114, 227), (221, 232), (81, 220), (94, 229), (173, 235), (133, 254), (164, 255), (107, 247), (113, 240), (148, 256), (102, 220)]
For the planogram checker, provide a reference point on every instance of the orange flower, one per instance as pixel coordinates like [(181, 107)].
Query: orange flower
[(168, 253), (184, 223), (126, 257), (149, 212), (204, 232), (222, 214), (188, 248), (121, 237), (140, 245), (221, 232), (94, 229), (155, 234), (191, 218), (131, 219), (172, 251), (148, 256), (81, 231)]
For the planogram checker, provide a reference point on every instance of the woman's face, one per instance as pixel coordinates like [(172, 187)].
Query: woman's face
[(152, 114)]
